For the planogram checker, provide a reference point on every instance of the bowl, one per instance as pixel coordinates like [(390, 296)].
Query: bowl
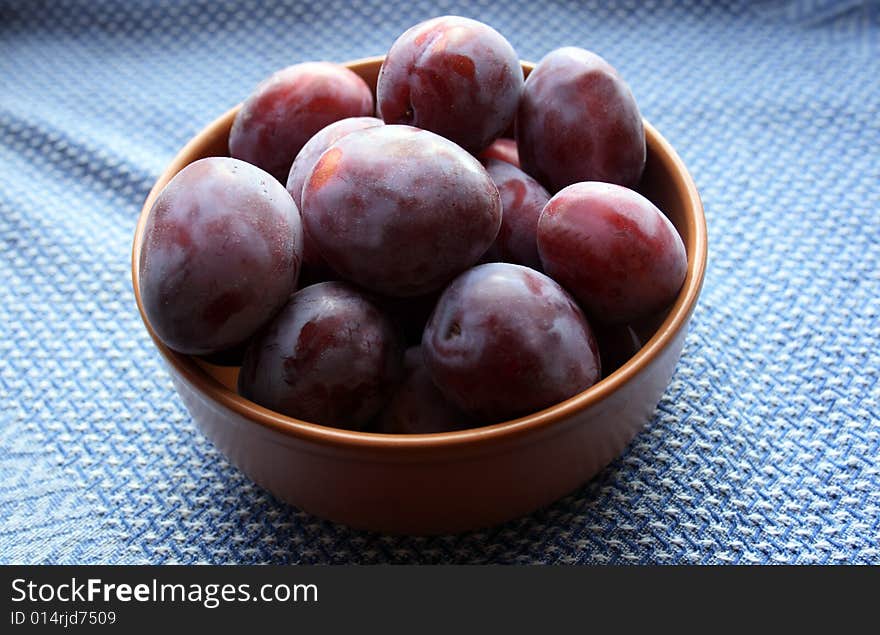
[(454, 481)]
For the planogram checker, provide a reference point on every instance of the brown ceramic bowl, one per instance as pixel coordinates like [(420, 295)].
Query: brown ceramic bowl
[(454, 481)]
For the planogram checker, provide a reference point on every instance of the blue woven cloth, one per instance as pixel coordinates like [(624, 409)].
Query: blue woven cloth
[(764, 449)]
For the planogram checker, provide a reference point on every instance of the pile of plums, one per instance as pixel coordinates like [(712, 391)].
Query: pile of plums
[(419, 272)]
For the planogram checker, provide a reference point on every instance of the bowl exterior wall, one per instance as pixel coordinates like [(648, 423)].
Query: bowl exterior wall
[(445, 491)]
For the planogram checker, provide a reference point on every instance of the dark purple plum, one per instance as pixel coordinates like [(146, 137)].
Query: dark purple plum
[(578, 121), (220, 254), (330, 357), (502, 149), (505, 341), (454, 76), (289, 107), (303, 164), (418, 407), (400, 210), (613, 250), (522, 199)]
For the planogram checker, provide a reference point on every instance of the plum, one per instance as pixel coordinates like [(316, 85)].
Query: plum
[(505, 341), (220, 254), (330, 357), (454, 76), (289, 107), (303, 164), (522, 199), (418, 407), (613, 250), (578, 121), (400, 210)]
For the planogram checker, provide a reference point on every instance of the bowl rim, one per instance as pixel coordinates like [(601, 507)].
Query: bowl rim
[(675, 321)]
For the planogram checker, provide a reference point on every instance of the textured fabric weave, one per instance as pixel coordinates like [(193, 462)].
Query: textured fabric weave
[(764, 449)]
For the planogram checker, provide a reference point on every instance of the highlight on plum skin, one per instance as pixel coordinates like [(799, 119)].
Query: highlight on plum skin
[(399, 210), (578, 121), (454, 76), (503, 149), (303, 164), (522, 200), (613, 250), (329, 357), (505, 341), (220, 254), (289, 107), (417, 406)]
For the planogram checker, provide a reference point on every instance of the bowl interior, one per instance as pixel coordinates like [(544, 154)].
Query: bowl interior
[(666, 182)]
